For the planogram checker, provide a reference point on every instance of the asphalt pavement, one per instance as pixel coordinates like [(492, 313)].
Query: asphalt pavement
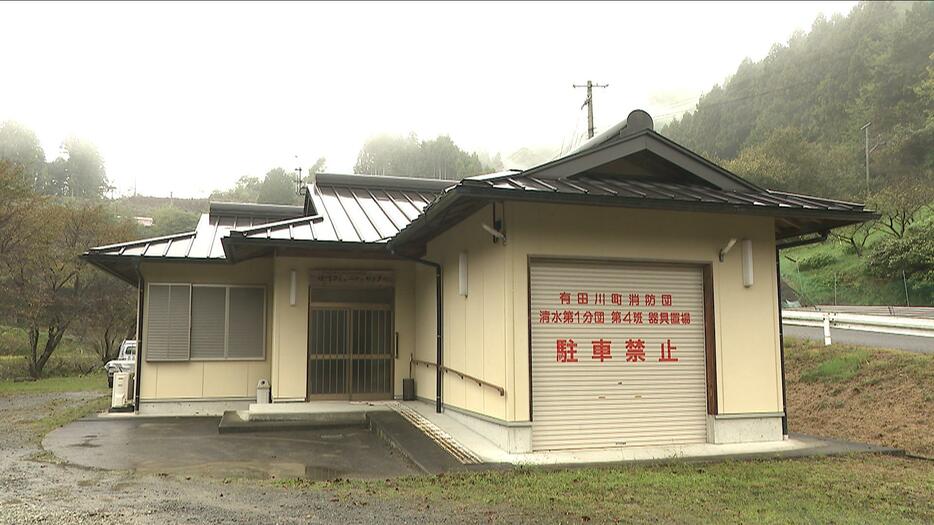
[(910, 343)]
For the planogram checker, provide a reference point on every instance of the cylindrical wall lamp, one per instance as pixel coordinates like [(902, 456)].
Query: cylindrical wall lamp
[(747, 263), (462, 274), (293, 287)]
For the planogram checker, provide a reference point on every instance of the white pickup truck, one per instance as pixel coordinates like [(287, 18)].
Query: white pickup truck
[(125, 361)]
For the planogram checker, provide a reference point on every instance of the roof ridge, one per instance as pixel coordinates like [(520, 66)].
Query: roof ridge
[(804, 196), (172, 236), (285, 222)]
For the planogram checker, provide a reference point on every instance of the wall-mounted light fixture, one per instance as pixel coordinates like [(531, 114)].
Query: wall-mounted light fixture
[(747, 263), (462, 274), (726, 249), (494, 232), (293, 287)]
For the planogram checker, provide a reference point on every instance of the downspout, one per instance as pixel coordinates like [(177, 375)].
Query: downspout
[(781, 342), (439, 359), (141, 302)]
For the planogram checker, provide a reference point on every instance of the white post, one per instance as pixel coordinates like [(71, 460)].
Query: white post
[(826, 329)]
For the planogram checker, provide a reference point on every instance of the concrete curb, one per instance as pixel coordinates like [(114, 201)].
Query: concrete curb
[(412, 443)]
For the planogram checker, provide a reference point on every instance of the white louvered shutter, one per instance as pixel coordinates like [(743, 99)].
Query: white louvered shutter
[(617, 402), (167, 333), (208, 322), (246, 323)]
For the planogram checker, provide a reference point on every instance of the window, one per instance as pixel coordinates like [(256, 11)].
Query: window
[(217, 322)]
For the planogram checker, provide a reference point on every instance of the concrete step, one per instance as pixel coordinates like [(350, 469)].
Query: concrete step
[(234, 421)]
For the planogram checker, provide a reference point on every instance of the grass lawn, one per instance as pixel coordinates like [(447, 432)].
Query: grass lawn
[(852, 489), (96, 381)]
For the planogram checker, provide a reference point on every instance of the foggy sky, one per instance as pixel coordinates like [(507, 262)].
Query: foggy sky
[(185, 98)]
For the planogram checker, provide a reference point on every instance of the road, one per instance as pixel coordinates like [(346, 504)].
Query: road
[(923, 345)]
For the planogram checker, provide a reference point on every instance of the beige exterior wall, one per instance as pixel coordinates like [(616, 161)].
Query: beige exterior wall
[(476, 331), (486, 333), (290, 324), (215, 380)]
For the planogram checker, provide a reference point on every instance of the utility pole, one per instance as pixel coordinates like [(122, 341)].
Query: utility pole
[(868, 151), (866, 129), (589, 103), (299, 180)]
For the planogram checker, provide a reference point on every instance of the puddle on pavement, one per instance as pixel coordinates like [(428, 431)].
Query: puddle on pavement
[(316, 473)]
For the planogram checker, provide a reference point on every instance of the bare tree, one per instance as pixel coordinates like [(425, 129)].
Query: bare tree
[(856, 236)]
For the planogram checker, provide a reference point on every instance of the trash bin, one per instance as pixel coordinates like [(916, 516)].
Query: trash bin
[(262, 392), (408, 389)]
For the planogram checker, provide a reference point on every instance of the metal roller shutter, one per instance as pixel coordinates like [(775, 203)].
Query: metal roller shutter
[(638, 393)]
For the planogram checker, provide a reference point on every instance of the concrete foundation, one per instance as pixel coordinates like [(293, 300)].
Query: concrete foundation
[(193, 407), (512, 437), (744, 428)]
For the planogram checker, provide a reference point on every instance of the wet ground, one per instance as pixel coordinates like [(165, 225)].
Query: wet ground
[(193, 447), (37, 488)]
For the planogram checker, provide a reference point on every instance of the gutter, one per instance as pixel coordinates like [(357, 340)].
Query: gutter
[(439, 297), (802, 241)]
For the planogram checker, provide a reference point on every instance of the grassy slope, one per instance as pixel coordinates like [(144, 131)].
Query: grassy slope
[(862, 394), (854, 285)]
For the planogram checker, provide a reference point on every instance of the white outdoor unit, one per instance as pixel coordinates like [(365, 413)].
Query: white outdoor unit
[(121, 391)]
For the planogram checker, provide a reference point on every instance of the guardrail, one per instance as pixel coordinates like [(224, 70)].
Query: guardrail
[(866, 323), (917, 312)]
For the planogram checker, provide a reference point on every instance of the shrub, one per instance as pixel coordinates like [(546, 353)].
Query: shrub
[(817, 260), (912, 254)]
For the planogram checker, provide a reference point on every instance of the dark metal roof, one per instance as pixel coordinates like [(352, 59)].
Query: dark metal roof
[(795, 214), (348, 213), (203, 243), (606, 185), (343, 213), (264, 211)]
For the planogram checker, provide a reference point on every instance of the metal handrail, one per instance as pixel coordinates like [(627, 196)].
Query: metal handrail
[(481, 382)]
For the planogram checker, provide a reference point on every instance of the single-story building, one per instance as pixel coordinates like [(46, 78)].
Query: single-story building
[(624, 294)]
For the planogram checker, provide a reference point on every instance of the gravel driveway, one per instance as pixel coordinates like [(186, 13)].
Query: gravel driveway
[(38, 491)]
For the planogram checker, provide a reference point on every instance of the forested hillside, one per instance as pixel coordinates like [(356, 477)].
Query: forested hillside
[(795, 121)]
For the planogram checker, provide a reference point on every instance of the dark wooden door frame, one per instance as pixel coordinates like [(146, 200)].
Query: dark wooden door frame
[(710, 341)]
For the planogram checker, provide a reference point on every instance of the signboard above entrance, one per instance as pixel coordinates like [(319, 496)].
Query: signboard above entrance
[(352, 279)]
